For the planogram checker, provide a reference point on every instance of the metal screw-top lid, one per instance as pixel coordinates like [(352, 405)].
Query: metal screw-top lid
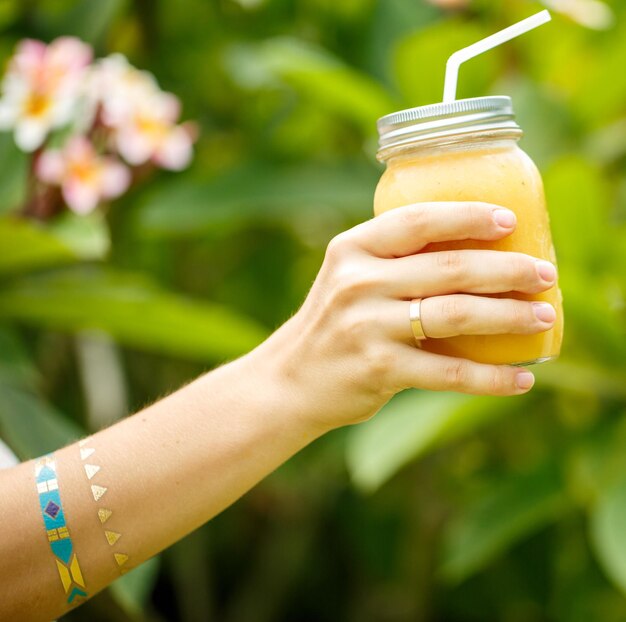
[(451, 120)]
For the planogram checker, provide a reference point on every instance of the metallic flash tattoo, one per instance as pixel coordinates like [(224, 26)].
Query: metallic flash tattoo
[(98, 491), (56, 529)]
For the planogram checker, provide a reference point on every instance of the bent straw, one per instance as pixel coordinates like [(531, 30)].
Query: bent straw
[(459, 57)]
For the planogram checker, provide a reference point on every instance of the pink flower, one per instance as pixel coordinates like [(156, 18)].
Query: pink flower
[(119, 86), (42, 88), (85, 176), (143, 118), (151, 133)]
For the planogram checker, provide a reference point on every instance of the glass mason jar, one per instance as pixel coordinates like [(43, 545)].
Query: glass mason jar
[(467, 151)]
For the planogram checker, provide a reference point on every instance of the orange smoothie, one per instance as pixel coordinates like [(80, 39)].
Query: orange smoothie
[(490, 168)]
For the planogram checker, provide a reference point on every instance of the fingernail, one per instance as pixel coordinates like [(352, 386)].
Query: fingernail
[(546, 271), (544, 312), (524, 380), (504, 218)]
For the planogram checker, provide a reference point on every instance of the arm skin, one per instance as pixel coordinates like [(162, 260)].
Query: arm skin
[(174, 465)]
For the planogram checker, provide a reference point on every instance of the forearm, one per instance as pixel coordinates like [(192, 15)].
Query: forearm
[(163, 472), (166, 471)]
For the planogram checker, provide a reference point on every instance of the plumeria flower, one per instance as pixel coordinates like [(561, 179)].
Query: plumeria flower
[(109, 104), (118, 87), (143, 118), (85, 177), (42, 88), (151, 133)]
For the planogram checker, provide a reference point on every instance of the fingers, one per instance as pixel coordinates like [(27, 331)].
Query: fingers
[(407, 230), (434, 372), (470, 271), (451, 316)]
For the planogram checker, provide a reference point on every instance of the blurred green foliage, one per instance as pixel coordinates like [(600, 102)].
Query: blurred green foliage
[(443, 507)]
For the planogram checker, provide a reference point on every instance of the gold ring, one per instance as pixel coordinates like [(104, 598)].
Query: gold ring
[(415, 318)]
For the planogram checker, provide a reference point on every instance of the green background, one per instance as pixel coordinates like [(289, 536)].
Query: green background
[(443, 507)]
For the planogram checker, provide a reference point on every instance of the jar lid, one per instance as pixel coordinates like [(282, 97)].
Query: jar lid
[(462, 116)]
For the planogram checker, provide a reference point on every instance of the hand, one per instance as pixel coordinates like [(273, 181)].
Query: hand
[(350, 348)]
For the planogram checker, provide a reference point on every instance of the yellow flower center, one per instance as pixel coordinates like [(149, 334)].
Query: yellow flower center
[(87, 171), (37, 105), (151, 126)]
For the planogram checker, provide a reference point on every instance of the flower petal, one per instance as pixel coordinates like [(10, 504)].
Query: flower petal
[(69, 54), (80, 197), (175, 151), (115, 178), (122, 90), (8, 114), (30, 133), (79, 149), (134, 146), (29, 57), (50, 167), (169, 107)]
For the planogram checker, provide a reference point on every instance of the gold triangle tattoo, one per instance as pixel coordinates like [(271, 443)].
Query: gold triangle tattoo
[(104, 515), (120, 558), (91, 470), (85, 453), (97, 491)]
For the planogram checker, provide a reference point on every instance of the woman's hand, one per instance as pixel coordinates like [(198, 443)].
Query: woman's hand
[(337, 361), (350, 347)]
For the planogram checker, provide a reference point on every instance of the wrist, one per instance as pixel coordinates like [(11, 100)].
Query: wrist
[(273, 397), (275, 367)]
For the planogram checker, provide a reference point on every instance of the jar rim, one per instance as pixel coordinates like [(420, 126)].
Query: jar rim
[(443, 120), (450, 139)]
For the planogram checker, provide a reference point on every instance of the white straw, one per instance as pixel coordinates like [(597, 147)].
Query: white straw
[(454, 62)]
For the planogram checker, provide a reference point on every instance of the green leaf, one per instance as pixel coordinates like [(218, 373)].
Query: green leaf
[(28, 245), (607, 144), (189, 565), (133, 590), (597, 461), (605, 62), (30, 426), (515, 507), (392, 20), (133, 310), (608, 533), (594, 323), (13, 174), (409, 425), (578, 199), (28, 423), (9, 13), (420, 61), (15, 366), (259, 192), (88, 235), (547, 123), (85, 19), (582, 377), (315, 74)]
